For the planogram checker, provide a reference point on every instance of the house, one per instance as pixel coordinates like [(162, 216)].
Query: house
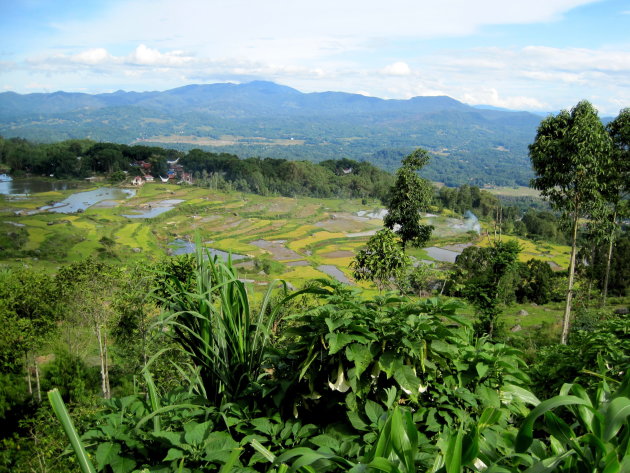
[(148, 178), (137, 181), (186, 177)]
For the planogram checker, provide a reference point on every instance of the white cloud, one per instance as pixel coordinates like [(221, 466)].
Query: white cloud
[(397, 69), (146, 56), (276, 29), (328, 45), (491, 97), (92, 56)]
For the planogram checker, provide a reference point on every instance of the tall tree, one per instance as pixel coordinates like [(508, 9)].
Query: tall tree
[(616, 185), (409, 195), (569, 155)]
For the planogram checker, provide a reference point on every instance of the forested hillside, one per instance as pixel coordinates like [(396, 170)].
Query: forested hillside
[(468, 145)]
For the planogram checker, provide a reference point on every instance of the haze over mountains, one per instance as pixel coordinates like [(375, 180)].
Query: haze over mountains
[(468, 144)]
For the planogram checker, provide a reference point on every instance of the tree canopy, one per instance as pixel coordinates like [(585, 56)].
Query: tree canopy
[(409, 195)]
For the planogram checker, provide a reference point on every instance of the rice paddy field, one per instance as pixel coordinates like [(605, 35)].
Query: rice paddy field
[(308, 238)]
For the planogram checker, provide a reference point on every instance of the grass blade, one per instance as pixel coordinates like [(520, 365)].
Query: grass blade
[(66, 422)]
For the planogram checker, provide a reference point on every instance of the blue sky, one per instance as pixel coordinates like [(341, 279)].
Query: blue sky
[(539, 55)]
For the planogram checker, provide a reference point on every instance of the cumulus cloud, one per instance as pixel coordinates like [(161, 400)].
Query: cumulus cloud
[(397, 69), (146, 56)]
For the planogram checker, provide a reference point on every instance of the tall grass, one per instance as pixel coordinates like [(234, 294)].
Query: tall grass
[(215, 325)]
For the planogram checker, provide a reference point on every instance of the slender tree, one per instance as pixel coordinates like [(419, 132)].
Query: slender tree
[(409, 195), (569, 155), (616, 186)]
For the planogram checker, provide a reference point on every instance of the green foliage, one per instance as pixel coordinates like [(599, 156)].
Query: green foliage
[(465, 198), (604, 348), (382, 261), (536, 282), (268, 265), (409, 195), (64, 418), (70, 375), (117, 177), (487, 279), (594, 438), (12, 239), (419, 279), (28, 312), (345, 353), (163, 434)]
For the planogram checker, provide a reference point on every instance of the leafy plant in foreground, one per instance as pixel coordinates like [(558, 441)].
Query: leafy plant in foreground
[(215, 325)]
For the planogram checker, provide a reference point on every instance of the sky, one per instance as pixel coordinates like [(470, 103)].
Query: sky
[(537, 55)]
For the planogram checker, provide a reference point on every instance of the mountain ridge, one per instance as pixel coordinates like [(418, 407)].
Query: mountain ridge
[(260, 118)]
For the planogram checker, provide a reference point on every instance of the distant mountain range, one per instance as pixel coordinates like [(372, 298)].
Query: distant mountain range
[(469, 144)]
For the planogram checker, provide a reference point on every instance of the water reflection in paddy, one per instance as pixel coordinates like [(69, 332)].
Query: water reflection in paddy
[(184, 247), (84, 200)]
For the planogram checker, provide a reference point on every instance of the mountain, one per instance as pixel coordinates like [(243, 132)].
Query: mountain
[(469, 144)]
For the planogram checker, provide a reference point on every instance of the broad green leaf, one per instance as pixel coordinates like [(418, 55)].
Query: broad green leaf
[(519, 393), (408, 381), (195, 432), (122, 464), (356, 421), (361, 355), (263, 424), (337, 341), (404, 438), (559, 428), (173, 438), (616, 414), (548, 464), (612, 464), (383, 464), (525, 434), (490, 416), (453, 456), (374, 411), (470, 446), (173, 454), (105, 453), (232, 459), (482, 369), (61, 412)]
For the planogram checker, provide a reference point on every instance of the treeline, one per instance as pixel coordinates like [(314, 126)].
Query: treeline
[(79, 158), (82, 158), (332, 178)]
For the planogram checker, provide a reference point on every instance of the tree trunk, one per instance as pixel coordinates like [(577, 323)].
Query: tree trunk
[(566, 320), (39, 389), (609, 259), (107, 387), (28, 375), (102, 355)]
